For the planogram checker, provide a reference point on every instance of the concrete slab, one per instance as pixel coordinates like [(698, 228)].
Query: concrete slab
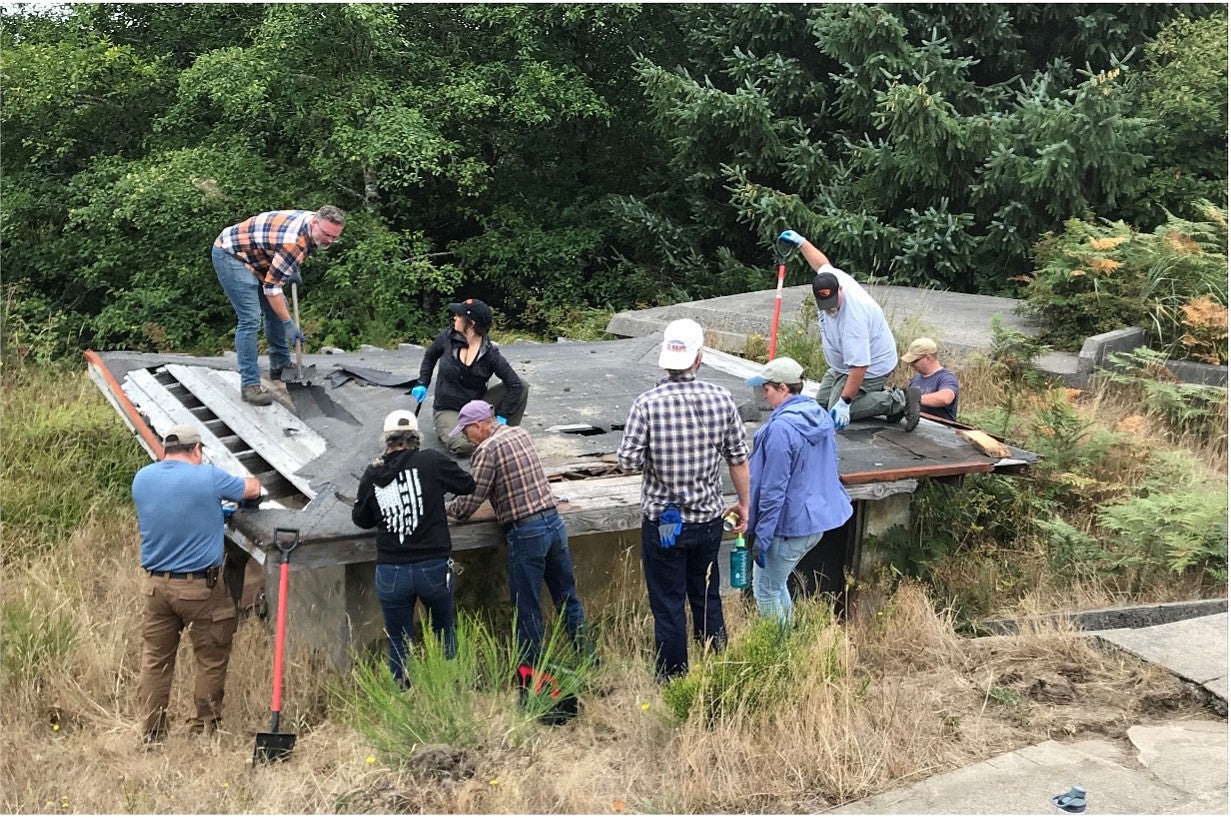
[(1191, 755), (1119, 781), (1193, 649), (961, 322)]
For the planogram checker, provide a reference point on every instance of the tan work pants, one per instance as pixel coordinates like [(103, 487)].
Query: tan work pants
[(209, 614), (443, 420)]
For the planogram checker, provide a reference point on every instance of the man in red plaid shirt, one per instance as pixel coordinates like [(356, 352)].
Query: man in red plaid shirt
[(253, 259)]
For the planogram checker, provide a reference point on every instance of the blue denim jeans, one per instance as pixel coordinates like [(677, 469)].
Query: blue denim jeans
[(689, 570), (769, 583), (398, 586), (246, 296), (538, 553)]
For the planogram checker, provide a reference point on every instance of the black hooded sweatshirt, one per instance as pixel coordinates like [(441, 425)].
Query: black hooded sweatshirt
[(403, 492)]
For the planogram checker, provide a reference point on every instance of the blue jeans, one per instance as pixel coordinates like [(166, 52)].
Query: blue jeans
[(769, 583), (688, 569), (538, 553), (246, 296), (398, 586)]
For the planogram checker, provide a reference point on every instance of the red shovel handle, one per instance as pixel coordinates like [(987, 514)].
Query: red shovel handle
[(284, 580), (280, 635), (773, 329)]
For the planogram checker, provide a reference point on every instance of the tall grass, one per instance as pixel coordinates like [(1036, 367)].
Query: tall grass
[(65, 455), (464, 701)]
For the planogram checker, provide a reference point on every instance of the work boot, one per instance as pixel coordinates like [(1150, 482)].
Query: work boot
[(256, 394), (275, 373), (912, 408)]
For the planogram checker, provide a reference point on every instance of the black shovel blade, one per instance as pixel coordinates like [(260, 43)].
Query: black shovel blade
[(299, 377), (271, 747)]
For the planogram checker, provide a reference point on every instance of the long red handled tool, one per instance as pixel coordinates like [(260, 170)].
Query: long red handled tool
[(275, 745), (782, 251)]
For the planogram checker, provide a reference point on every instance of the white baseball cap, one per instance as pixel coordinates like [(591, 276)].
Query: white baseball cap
[(682, 340)]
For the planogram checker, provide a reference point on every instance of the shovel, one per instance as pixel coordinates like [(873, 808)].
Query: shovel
[(303, 377), (275, 746), (782, 252)]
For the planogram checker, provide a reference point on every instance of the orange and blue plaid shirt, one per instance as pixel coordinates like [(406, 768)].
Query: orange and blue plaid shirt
[(272, 245)]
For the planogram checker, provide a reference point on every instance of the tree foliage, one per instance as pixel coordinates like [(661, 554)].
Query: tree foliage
[(557, 158)]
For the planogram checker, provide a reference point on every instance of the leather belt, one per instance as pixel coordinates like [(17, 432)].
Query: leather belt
[(546, 514), (184, 574)]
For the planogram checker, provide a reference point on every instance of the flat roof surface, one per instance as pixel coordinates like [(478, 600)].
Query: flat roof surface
[(311, 446)]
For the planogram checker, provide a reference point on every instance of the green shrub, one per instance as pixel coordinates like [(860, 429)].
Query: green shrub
[(1174, 523), (759, 669), (1182, 409), (1099, 276)]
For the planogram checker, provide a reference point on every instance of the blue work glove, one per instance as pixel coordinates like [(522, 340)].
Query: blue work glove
[(760, 557), (294, 335), (669, 526), (502, 420), (419, 393), (294, 278), (791, 237), (841, 414)]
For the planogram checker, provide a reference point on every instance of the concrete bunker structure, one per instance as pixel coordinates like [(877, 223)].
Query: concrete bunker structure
[(311, 446)]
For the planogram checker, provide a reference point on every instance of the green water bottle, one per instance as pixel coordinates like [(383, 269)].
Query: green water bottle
[(741, 563)]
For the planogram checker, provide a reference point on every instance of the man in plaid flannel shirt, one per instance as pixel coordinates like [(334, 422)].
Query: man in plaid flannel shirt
[(253, 259), (677, 434), (507, 471)]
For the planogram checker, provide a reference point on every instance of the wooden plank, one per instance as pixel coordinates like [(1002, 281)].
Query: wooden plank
[(984, 443), (883, 475), (263, 428), (120, 401), (165, 411)]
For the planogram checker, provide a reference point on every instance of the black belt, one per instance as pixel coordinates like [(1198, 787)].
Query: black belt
[(546, 514), (183, 574)]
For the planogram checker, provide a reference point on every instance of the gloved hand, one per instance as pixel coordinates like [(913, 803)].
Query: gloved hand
[(502, 420), (791, 237), (841, 414), (760, 556), (294, 278), (669, 525), (294, 335), (419, 393)]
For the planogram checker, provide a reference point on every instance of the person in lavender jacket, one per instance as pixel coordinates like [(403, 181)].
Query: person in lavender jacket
[(796, 495)]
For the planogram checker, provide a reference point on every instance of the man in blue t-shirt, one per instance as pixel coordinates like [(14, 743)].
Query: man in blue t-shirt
[(179, 509), (937, 386)]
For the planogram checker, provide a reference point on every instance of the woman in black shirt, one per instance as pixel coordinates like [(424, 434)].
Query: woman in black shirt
[(468, 359)]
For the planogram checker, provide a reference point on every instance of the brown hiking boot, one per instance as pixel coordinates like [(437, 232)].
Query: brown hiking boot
[(257, 395), (912, 408)]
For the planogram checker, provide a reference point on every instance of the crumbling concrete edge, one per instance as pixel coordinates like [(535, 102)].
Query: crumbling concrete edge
[(1105, 619), (1202, 695)]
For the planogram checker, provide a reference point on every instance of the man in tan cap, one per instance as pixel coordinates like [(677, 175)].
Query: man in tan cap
[(179, 509), (937, 386)]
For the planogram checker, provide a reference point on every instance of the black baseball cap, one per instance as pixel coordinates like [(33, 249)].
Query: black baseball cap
[(825, 287), (475, 310)]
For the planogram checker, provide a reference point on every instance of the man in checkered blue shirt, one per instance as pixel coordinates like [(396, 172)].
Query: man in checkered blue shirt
[(678, 434), (253, 259)]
